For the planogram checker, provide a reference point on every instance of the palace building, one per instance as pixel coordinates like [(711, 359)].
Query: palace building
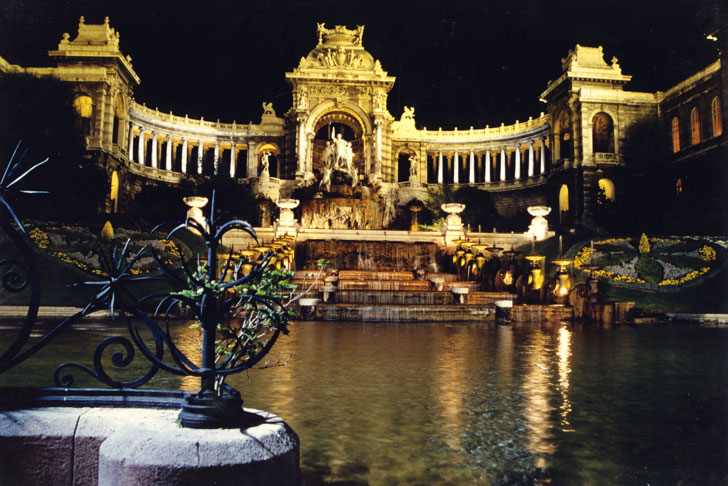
[(357, 163)]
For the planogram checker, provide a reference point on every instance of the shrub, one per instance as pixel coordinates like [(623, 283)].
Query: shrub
[(649, 269)]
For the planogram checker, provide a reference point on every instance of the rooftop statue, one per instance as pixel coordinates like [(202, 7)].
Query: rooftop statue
[(268, 108)]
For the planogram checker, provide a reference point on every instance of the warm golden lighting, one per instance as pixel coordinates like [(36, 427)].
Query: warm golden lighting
[(83, 106), (564, 353)]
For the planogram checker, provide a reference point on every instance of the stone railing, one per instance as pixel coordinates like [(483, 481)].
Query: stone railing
[(144, 115), (472, 134)]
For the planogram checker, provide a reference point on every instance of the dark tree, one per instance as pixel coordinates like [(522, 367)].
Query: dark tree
[(38, 113)]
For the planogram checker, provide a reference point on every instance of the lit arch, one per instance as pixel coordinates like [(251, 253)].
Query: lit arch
[(607, 186), (330, 106), (114, 192), (270, 147), (563, 203)]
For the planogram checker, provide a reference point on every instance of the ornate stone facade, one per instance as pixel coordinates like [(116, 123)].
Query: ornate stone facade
[(339, 141)]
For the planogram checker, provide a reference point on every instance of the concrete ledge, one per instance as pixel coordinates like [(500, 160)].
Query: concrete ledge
[(107, 446)]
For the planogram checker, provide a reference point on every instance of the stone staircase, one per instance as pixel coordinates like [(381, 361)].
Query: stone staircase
[(369, 295)]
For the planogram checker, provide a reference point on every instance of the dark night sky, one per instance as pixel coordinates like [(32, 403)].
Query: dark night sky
[(460, 63)]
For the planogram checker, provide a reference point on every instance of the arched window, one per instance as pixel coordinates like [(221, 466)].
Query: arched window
[(678, 186), (118, 116), (84, 107), (695, 126), (602, 133), (563, 135), (675, 135), (717, 117)]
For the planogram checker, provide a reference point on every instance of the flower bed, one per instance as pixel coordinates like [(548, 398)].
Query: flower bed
[(77, 246), (652, 263)]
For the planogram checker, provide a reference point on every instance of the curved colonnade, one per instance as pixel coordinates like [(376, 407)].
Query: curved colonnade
[(169, 147), (182, 145)]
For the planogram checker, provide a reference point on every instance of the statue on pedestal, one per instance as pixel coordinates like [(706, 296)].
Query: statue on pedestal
[(264, 163)]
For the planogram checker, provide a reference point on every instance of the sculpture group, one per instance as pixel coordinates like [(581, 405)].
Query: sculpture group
[(338, 156)]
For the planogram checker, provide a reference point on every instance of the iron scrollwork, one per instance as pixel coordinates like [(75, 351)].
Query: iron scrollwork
[(211, 290)]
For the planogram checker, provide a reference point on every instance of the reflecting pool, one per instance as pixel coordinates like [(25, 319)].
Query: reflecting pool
[(462, 404)]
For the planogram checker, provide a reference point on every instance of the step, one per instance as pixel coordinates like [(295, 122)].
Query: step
[(540, 313), (374, 275), (397, 297), (384, 285), (405, 313)]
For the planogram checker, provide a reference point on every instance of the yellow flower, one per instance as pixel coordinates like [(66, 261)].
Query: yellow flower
[(707, 253)]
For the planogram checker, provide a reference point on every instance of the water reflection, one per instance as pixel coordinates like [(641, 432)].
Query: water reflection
[(564, 353), (537, 406), (396, 403)]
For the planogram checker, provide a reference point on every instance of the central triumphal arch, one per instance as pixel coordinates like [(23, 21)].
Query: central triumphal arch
[(339, 108)]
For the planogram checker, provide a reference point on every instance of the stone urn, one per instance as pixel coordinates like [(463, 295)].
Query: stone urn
[(539, 227), (196, 203), (287, 206), (453, 211)]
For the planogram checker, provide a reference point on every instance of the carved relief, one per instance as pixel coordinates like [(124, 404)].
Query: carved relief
[(302, 99), (340, 58)]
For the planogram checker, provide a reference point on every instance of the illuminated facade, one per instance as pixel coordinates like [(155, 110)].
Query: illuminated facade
[(339, 141)]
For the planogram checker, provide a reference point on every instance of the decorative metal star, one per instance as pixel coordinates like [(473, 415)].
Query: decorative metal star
[(6, 187)]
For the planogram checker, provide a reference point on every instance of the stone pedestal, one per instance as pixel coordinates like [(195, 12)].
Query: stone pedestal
[(286, 220), (135, 447), (454, 229)]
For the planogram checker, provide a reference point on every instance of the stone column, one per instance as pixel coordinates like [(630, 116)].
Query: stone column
[(200, 153), (131, 143), (216, 159), (378, 148), (142, 144), (301, 155), (168, 158), (101, 111), (309, 151), (517, 174), (471, 177), (487, 165), (530, 158), (440, 170), (503, 164), (252, 160), (154, 150), (233, 160), (456, 168), (183, 162), (543, 156)]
